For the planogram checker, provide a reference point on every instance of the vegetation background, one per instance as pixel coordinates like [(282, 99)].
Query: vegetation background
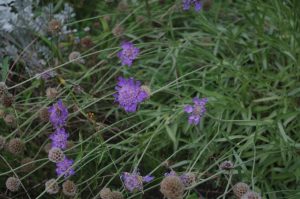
[(242, 55)]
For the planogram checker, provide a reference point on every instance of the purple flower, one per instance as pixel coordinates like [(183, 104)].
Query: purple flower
[(65, 168), (58, 114), (59, 138), (197, 110), (134, 181), (129, 94), (128, 53), (186, 4), (171, 173)]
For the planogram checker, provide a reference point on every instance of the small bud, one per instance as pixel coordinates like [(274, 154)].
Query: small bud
[(54, 26), (51, 93), (105, 193), (27, 165), (15, 146), (51, 186), (7, 99), (188, 179), (13, 184), (56, 155), (240, 188), (44, 114), (118, 31), (172, 187), (226, 165), (251, 195), (69, 188)]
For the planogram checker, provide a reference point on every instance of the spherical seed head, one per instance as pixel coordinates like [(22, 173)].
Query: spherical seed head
[(118, 31), (226, 165), (76, 57), (240, 188), (44, 114), (54, 26), (27, 165), (172, 187), (2, 142), (3, 88), (251, 195), (10, 120), (117, 195), (69, 188), (56, 155), (188, 179), (51, 93), (7, 99), (15, 146), (51, 186), (13, 184), (106, 193), (86, 42)]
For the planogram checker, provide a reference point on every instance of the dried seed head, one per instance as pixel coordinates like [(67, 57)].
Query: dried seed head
[(122, 6), (106, 193), (118, 31), (69, 188), (56, 155), (2, 142), (188, 179), (251, 195), (15, 146), (76, 57), (86, 42), (226, 165), (7, 99), (10, 120), (44, 114), (3, 88), (51, 93), (51, 186), (172, 187), (13, 184), (54, 26), (27, 165), (117, 195), (240, 189)]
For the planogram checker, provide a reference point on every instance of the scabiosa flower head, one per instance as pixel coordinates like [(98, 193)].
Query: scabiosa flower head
[(65, 168), (69, 188), (134, 181), (196, 111), (240, 188), (51, 186), (59, 138), (188, 3), (251, 195), (58, 114), (13, 184), (129, 94), (188, 179), (128, 53)]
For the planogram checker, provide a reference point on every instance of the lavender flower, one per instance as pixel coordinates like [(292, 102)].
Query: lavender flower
[(134, 181), (197, 110), (188, 3), (65, 168), (129, 94), (58, 114), (59, 138), (128, 53)]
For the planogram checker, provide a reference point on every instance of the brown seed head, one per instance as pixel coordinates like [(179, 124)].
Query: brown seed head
[(15, 146), (240, 189), (13, 184), (51, 186), (69, 188), (51, 93), (172, 187), (106, 193), (56, 155)]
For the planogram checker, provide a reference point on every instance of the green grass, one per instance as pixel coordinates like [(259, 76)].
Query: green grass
[(242, 55)]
